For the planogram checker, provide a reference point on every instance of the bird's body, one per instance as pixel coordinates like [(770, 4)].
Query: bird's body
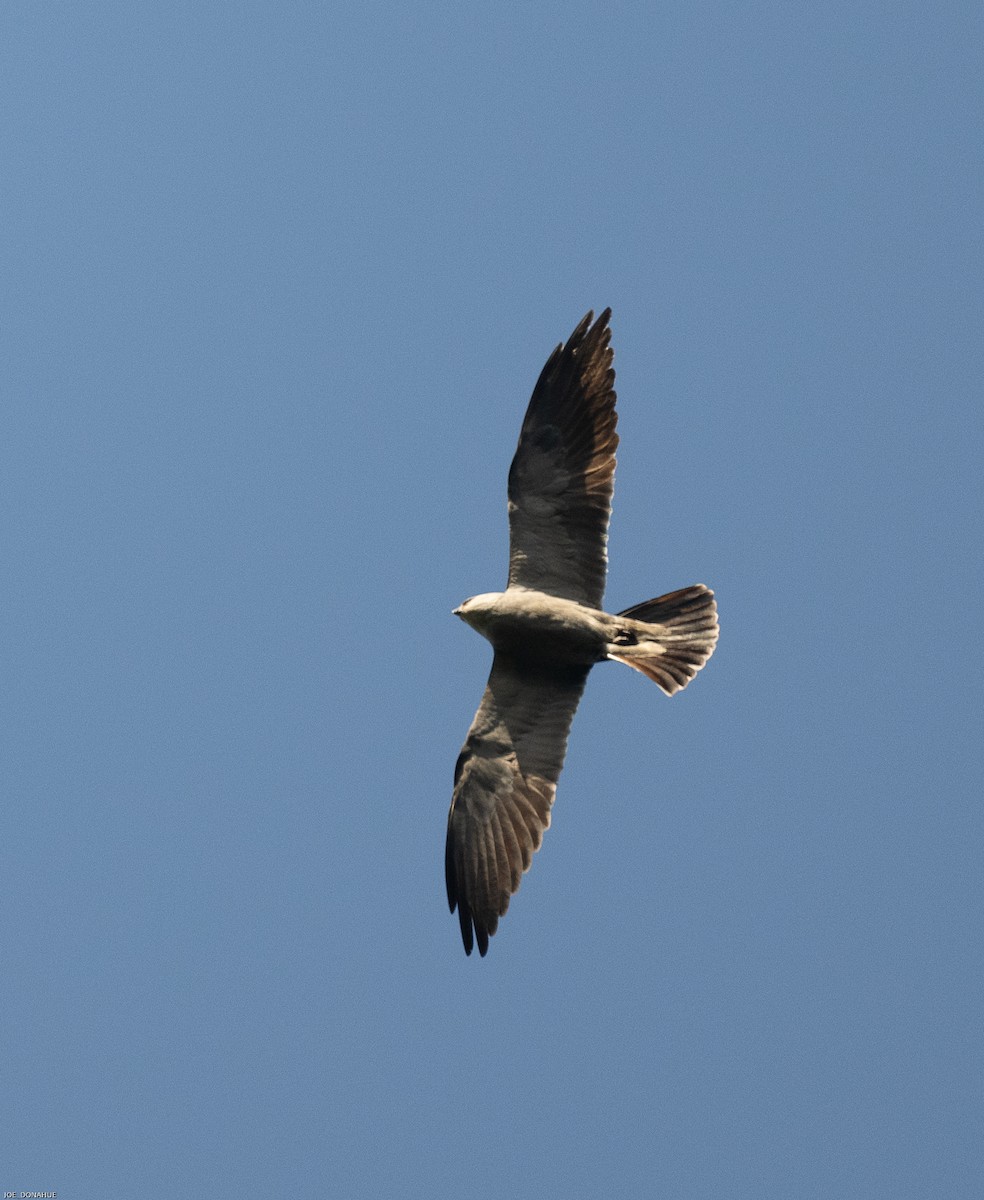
[(548, 630), (537, 625)]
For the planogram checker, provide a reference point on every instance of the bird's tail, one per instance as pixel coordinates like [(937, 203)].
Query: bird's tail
[(670, 638)]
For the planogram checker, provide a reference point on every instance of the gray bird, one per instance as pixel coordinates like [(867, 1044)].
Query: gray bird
[(548, 630)]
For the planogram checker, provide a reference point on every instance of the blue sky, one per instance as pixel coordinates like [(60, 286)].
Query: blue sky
[(278, 280)]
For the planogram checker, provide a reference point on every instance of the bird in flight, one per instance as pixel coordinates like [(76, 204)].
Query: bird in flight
[(548, 630)]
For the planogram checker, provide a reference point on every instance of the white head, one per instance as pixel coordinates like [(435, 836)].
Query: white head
[(477, 610)]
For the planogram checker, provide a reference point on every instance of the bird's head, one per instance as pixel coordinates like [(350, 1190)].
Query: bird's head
[(476, 610)]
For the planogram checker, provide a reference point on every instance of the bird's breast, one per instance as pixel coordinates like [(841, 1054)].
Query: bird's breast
[(533, 624)]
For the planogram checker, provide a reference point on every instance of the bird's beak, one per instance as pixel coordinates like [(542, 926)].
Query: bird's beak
[(455, 612)]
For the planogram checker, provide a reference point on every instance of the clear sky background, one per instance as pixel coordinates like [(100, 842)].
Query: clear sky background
[(277, 282)]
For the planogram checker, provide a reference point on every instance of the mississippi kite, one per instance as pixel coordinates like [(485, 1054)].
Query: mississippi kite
[(548, 629)]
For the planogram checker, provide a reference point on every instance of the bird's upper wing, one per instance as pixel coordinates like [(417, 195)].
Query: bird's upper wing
[(563, 474), (504, 786)]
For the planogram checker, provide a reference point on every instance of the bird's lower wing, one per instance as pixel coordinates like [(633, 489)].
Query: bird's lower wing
[(504, 786)]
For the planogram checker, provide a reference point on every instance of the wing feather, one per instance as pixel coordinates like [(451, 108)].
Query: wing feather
[(512, 856), (563, 474), (505, 783)]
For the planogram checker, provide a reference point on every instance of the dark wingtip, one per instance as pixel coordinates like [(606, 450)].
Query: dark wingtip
[(588, 322), (582, 326), (465, 921), (471, 931), (593, 341)]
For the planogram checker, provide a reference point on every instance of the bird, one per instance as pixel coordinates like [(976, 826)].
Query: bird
[(548, 629)]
